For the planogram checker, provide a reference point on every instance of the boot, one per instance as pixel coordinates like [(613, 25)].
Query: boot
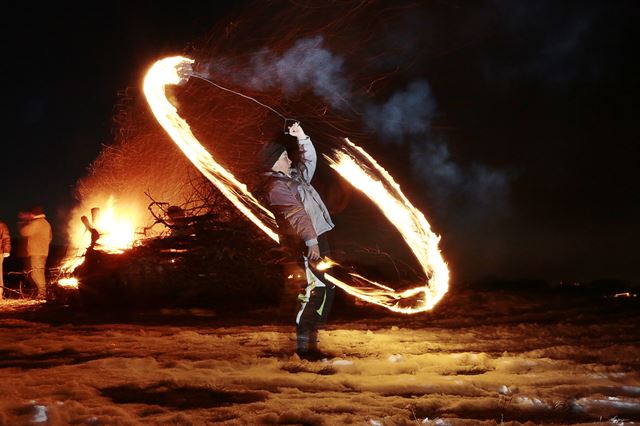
[(307, 347), (302, 343)]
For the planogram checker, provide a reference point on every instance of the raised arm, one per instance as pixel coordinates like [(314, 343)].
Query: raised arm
[(309, 155)]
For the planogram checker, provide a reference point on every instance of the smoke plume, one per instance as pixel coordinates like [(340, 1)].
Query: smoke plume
[(405, 119), (407, 113), (307, 64)]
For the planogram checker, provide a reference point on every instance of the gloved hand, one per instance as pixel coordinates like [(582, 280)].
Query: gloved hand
[(296, 130), (5, 255), (314, 253)]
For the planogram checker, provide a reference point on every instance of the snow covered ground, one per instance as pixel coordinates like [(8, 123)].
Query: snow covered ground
[(480, 359)]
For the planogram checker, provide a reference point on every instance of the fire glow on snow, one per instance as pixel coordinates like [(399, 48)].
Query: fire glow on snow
[(475, 364), (352, 163)]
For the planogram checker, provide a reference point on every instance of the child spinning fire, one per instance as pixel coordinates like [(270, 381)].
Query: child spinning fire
[(303, 221)]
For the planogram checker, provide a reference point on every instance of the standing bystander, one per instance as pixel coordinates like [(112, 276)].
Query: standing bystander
[(5, 249), (37, 234)]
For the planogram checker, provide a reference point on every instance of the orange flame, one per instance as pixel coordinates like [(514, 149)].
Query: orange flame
[(409, 221), (68, 282), (352, 163), (166, 72), (116, 225)]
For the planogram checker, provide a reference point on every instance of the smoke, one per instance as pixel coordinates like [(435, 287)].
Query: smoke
[(405, 119), (432, 163), (307, 64), (407, 113), (329, 58), (479, 190)]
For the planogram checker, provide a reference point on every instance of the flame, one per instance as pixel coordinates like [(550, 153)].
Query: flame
[(68, 282), (325, 264), (166, 72), (352, 163), (116, 225), (409, 221), (117, 229)]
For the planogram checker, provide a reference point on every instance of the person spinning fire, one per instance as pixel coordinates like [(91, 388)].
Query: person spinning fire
[(303, 221)]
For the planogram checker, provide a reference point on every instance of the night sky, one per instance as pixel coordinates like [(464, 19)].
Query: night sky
[(544, 94)]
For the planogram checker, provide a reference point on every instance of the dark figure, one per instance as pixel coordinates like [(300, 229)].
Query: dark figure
[(5, 249), (37, 234), (95, 235), (178, 221)]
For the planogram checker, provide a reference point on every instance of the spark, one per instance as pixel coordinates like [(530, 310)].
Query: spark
[(352, 163)]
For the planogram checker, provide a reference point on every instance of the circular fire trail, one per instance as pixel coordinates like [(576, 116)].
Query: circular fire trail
[(353, 164)]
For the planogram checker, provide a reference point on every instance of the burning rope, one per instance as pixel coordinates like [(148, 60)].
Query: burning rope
[(351, 162)]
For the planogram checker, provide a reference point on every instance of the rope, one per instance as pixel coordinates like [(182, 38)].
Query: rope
[(286, 119)]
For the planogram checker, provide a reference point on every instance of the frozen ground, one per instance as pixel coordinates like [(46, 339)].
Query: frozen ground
[(482, 358)]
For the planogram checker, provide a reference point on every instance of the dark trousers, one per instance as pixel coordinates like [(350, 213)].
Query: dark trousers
[(37, 269), (316, 303)]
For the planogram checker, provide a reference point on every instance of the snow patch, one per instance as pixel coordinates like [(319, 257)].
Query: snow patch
[(39, 414), (339, 361), (395, 358), (606, 407)]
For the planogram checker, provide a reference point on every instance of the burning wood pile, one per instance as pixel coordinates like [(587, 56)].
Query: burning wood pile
[(197, 260)]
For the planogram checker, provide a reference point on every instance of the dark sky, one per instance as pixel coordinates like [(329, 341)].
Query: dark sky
[(67, 66), (547, 95)]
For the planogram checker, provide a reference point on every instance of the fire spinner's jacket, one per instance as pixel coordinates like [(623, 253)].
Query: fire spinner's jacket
[(37, 233), (298, 208), (5, 239)]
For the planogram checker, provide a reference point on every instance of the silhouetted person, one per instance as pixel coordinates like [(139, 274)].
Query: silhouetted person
[(5, 249), (178, 222), (37, 234), (95, 235)]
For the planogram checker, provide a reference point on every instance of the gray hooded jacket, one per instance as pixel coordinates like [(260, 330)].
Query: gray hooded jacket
[(288, 193)]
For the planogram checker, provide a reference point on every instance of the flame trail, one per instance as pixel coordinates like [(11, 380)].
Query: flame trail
[(165, 72), (409, 221), (352, 163)]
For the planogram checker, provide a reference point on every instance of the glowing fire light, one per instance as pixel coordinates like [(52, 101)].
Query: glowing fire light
[(165, 72), (352, 163), (409, 221), (116, 226), (325, 264), (68, 282)]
